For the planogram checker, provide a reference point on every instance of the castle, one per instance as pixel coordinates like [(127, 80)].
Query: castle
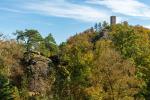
[(104, 32)]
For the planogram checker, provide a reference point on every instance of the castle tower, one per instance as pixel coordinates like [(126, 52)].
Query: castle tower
[(112, 20)]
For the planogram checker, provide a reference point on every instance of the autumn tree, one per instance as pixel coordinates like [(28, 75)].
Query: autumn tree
[(73, 76), (115, 76), (133, 43)]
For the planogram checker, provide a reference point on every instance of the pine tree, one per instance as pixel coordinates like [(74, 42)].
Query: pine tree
[(50, 44)]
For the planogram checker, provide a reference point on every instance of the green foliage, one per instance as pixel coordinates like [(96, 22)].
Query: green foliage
[(31, 38), (125, 39), (33, 41), (85, 67), (133, 43), (93, 71), (77, 71), (99, 26), (6, 90), (113, 74), (50, 45), (105, 24)]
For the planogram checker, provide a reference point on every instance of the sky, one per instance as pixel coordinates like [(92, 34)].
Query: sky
[(64, 18)]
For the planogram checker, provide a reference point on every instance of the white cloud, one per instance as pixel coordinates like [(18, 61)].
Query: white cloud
[(125, 7), (147, 26), (10, 10), (62, 8)]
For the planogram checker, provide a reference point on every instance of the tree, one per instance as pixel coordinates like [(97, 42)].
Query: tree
[(133, 43), (115, 76), (73, 76), (6, 90), (99, 26), (96, 27), (104, 24), (50, 44), (31, 38)]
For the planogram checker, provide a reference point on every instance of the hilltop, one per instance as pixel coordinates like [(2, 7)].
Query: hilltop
[(105, 62)]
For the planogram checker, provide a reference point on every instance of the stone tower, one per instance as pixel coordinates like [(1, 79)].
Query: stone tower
[(112, 20)]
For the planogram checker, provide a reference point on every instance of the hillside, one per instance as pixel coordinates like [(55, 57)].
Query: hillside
[(107, 62)]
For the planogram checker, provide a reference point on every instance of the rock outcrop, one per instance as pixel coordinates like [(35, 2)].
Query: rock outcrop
[(37, 68)]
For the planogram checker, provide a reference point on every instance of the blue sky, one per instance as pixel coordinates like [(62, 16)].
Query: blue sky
[(64, 18)]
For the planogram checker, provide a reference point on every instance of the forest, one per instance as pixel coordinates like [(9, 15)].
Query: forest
[(104, 62)]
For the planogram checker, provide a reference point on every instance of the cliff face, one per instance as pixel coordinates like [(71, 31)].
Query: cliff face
[(32, 74), (38, 71)]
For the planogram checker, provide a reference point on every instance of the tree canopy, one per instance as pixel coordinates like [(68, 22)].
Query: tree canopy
[(88, 66)]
